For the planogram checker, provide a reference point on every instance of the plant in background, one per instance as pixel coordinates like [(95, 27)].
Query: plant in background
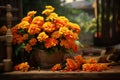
[(47, 31)]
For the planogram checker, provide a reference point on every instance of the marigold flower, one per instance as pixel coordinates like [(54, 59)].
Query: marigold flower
[(65, 43), (56, 34), (71, 64), (48, 27), (50, 42), (48, 10), (39, 20), (63, 30), (22, 67), (27, 18), (42, 36), (33, 41), (25, 37), (23, 25), (28, 48), (31, 13), (14, 30), (3, 29), (56, 67), (17, 39), (34, 29), (52, 17)]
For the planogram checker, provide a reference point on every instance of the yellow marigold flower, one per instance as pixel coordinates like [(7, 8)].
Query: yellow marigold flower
[(48, 27), (23, 25), (48, 10), (27, 18), (34, 29), (50, 42), (49, 7), (31, 13), (74, 27), (56, 34), (39, 20), (28, 48), (42, 36), (25, 36), (33, 41), (3, 30), (52, 16), (63, 30)]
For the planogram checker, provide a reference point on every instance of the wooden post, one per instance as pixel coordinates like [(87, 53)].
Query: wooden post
[(9, 36)]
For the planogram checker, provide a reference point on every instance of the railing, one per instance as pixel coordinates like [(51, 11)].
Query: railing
[(108, 22)]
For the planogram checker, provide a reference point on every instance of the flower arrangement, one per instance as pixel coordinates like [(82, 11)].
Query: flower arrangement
[(46, 31), (79, 63)]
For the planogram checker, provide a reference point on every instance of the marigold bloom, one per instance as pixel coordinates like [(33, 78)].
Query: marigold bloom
[(79, 59), (42, 37), (25, 37), (39, 20), (71, 64), (50, 42), (48, 26), (34, 29), (65, 43), (33, 41), (56, 34), (31, 13), (23, 25), (27, 18), (28, 48), (22, 67), (17, 39), (74, 27), (3, 29), (52, 17), (48, 10), (63, 30), (14, 30), (56, 67)]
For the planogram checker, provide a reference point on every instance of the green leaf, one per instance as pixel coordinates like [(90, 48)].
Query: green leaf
[(19, 48)]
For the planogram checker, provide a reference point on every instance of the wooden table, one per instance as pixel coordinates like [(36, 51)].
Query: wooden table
[(112, 74)]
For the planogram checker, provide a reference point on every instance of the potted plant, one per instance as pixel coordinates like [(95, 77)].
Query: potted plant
[(47, 31)]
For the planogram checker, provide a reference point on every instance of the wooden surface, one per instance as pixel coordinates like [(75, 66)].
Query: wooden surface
[(111, 74)]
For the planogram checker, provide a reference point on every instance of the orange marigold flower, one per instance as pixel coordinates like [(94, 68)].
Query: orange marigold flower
[(25, 36), (17, 39), (79, 59), (33, 41), (31, 13), (23, 25), (50, 42), (48, 26), (71, 64), (42, 36), (28, 48), (65, 43), (39, 20), (74, 27), (34, 29), (56, 67), (92, 60), (27, 18), (56, 34), (3, 29), (22, 67), (14, 29)]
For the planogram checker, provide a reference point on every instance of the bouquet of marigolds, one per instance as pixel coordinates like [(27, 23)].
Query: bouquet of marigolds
[(47, 31), (78, 63)]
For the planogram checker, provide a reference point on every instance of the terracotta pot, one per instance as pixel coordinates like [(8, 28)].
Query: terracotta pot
[(45, 60)]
